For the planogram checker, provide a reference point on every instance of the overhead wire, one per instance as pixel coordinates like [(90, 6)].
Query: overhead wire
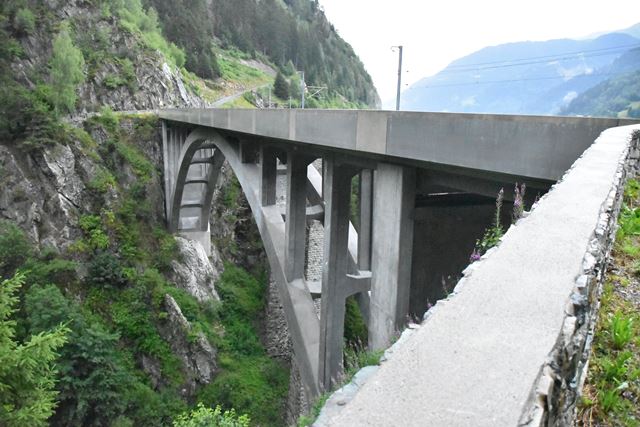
[(529, 61), (514, 80)]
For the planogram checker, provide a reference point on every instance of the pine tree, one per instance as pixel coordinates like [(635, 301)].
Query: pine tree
[(27, 370), (281, 87), (67, 72)]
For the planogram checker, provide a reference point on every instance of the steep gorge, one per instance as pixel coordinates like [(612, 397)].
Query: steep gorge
[(155, 326)]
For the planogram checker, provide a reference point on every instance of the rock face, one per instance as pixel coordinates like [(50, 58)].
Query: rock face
[(198, 357), (146, 82), (195, 273), (43, 192)]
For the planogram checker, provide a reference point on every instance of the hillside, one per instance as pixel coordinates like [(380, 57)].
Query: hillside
[(105, 318), (292, 35), (618, 96), (522, 78)]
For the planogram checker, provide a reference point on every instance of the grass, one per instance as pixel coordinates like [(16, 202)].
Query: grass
[(612, 390)]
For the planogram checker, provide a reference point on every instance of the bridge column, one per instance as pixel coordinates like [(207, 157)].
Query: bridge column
[(365, 202), (296, 222), (337, 187), (268, 175), (393, 207)]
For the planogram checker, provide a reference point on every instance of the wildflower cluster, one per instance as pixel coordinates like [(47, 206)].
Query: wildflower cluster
[(494, 233)]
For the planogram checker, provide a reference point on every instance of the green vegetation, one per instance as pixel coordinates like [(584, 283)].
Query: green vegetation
[(281, 87), (24, 22), (135, 19), (250, 382), (207, 417), (109, 288), (116, 310), (493, 234), (613, 384), (307, 420), (15, 249), (67, 72), (291, 34), (197, 43), (27, 369), (615, 97)]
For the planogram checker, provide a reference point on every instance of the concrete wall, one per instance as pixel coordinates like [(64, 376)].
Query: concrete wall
[(509, 345)]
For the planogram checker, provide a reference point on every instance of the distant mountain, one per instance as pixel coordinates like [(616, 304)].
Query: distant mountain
[(525, 77), (633, 31)]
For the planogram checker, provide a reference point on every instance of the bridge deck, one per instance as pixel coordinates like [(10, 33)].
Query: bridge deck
[(539, 147)]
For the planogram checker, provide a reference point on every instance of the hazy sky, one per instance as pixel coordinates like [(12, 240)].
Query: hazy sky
[(434, 33)]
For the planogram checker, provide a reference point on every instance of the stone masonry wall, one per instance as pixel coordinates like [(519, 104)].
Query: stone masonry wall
[(555, 395)]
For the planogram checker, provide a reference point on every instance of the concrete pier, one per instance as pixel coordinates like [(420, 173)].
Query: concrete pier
[(393, 205)]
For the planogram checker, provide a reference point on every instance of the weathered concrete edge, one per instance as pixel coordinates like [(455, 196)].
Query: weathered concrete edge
[(574, 342), (554, 397), (339, 398)]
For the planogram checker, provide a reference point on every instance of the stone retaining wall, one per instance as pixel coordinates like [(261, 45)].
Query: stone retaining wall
[(553, 401)]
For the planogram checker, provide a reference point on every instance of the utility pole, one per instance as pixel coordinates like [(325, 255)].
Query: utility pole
[(302, 88), (399, 75)]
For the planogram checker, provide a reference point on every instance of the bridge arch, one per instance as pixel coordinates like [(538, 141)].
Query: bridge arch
[(193, 161)]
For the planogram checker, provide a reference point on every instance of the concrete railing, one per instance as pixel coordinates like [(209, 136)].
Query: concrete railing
[(509, 346)]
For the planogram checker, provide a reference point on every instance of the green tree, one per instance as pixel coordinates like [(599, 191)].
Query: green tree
[(281, 87), (27, 370), (93, 379), (67, 72)]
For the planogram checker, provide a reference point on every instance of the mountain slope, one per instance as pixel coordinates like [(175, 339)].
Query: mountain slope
[(520, 78), (293, 35)]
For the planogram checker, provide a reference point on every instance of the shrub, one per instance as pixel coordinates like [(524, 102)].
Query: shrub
[(207, 417), (55, 270), (91, 225), (14, 248), (250, 381), (24, 21), (105, 270)]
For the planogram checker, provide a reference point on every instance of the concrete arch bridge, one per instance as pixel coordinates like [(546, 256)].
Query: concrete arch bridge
[(427, 184)]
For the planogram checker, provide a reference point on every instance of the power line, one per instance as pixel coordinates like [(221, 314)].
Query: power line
[(515, 80), (543, 58), (448, 71)]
